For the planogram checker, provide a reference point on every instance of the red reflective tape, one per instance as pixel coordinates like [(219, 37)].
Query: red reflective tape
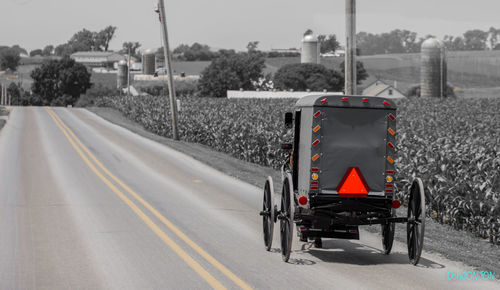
[(314, 169), (388, 190), (314, 188), (390, 145), (314, 183), (387, 103), (388, 185), (365, 100), (317, 114), (324, 101), (390, 172), (392, 117), (344, 99), (315, 143)]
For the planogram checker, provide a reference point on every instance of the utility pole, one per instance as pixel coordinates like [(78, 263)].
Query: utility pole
[(168, 66), (350, 53), (128, 73)]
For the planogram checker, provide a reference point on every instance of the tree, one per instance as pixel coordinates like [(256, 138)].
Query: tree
[(133, 47), (454, 43), (47, 51), (493, 36), (308, 76), (231, 71), (36, 52), (15, 92), (63, 50), (396, 41), (9, 59), (59, 82), (83, 40), (104, 37), (475, 39), (328, 44), (361, 73), (252, 46), (19, 50), (181, 49)]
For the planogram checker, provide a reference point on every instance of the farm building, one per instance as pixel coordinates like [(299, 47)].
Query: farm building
[(97, 58), (381, 89)]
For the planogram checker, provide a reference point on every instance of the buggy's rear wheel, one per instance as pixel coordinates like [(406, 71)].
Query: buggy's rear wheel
[(416, 221), (286, 217), (268, 213), (388, 235)]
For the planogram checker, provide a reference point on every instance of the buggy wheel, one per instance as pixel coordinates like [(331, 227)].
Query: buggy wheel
[(268, 213), (318, 243), (388, 236), (416, 221), (286, 217)]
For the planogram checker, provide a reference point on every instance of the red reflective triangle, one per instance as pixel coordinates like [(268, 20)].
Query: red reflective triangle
[(353, 184)]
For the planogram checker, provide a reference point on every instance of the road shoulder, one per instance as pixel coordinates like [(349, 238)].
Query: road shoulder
[(439, 239)]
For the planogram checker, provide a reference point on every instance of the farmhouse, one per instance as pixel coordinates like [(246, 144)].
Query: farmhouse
[(97, 58), (381, 89)]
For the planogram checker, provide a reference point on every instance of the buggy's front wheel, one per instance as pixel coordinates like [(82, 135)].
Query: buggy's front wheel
[(416, 221), (286, 217), (388, 235)]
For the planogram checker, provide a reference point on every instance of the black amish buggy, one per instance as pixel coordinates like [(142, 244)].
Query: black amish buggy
[(340, 175)]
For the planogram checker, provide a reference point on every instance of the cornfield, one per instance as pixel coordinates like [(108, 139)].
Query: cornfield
[(453, 145)]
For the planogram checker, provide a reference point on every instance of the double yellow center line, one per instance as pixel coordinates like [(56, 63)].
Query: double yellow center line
[(80, 149)]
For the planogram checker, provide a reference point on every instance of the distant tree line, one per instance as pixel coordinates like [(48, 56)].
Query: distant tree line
[(86, 40), (405, 41)]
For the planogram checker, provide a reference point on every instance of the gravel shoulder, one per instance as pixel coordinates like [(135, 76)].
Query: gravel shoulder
[(440, 239)]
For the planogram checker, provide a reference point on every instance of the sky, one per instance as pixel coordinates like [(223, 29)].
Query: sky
[(233, 23)]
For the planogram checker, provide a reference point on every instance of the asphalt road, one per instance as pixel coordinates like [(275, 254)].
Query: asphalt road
[(85, 204)]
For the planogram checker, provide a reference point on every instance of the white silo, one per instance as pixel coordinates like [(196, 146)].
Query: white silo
[(122, 74), (148, 62), (310, 49), (433, 69)]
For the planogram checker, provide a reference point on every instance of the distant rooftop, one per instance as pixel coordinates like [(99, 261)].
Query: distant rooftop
[(94, 53)]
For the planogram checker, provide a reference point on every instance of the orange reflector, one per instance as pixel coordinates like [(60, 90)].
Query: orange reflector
[(391, 132), (315, 157), (316, 129), (391, 161), (314, 176), (303, 200), (353, 184)]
